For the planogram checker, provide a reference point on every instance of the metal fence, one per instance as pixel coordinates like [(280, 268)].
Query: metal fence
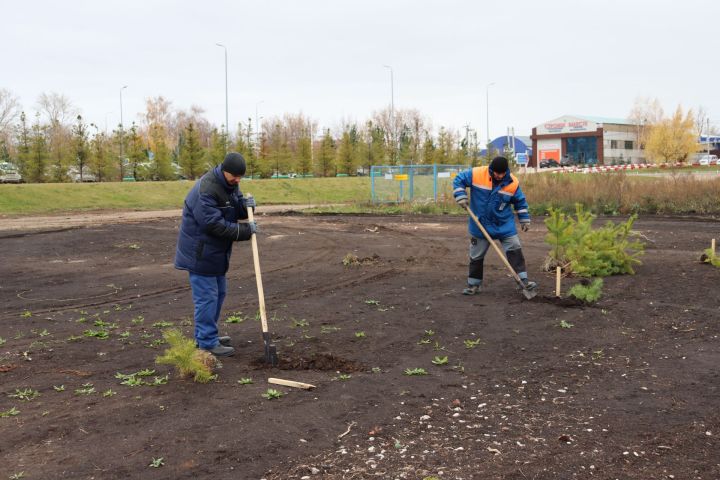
[(413, 183)]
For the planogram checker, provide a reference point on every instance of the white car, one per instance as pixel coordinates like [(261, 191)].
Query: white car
[(705, 160)]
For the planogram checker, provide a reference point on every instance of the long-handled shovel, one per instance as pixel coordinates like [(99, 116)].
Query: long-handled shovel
[(528, 293), (271, 356)]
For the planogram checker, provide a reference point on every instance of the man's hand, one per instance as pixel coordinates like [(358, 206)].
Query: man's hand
[(253, 228), (249, 202), (462, 201), (525, 226)]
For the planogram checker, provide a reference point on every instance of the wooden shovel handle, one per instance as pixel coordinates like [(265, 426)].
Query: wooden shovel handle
[(258, 274), (492, 242)]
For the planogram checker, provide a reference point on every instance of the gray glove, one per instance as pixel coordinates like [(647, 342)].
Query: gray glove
[(249, 202), (253, 228), (462, 201), (525, 226)]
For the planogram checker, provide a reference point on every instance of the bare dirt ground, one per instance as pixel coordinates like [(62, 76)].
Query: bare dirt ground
[(626, 389)]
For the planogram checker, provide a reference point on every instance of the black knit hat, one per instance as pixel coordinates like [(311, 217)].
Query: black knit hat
[(234, 164), (499, 165)]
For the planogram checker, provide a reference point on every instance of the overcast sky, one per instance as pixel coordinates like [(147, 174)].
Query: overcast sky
[(325, 58)]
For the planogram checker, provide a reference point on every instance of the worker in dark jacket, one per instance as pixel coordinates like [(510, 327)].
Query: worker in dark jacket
[(494, 194), (207, 232)]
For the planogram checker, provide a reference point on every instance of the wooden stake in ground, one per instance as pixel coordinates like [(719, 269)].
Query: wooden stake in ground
[(558, 276), (712, 247)]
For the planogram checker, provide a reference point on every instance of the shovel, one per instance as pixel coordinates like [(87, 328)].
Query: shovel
[(528, 293), (271, 357)]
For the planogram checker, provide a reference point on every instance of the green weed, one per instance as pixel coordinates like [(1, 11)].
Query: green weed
[(415, 371), (440, 360), (272, 394), (10, 413), (86, 389), (470, 343), (564, 324), (26, 394), (245, 381), (157, 462)]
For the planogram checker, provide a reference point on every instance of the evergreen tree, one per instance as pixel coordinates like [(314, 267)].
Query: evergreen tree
[(345, 159), (326, 156), (101, 158), (135, 152), (39, 153), (218, 148), (161, 166), (191, 155), (80, 145), (428, 150), (304, 164)]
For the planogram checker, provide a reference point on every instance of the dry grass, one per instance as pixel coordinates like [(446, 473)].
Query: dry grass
[(618, 193)]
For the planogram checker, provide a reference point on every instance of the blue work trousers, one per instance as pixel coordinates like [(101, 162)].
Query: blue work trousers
[(208, 293)]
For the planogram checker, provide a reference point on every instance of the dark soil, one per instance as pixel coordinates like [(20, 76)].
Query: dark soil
[(629, 390)]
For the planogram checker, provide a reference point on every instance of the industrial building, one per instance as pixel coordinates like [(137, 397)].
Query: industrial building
[(586, 140)]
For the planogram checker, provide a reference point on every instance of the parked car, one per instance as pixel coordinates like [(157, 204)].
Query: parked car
[(549, 163), (74, 174), (9, 173), (705, 160)]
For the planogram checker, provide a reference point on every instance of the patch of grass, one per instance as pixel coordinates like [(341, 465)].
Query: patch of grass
[(26, 394), (440, 360), (101, 334), (10, 413), (272, 394), (138, 320), (415, 371), (187, 359), (236, 317), (300, 323), (33, 198), (86, 389), (162, 324)]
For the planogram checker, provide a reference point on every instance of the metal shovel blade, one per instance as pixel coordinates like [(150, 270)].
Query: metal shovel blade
[(529, 294)]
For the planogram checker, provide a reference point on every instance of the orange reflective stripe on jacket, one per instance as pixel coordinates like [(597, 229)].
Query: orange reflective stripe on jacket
[(481, 179)]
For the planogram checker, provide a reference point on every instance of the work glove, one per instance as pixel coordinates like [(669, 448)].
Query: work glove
[(462, 201), (249, 202), (253, 227), (525, 226)]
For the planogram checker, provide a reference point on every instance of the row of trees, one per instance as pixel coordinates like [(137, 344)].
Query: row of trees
[(57, 144), (671, 138)]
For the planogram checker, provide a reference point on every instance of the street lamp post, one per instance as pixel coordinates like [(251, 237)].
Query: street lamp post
[(227, 124), (392, 109), (122, 139), (257, 130), (487, 110)]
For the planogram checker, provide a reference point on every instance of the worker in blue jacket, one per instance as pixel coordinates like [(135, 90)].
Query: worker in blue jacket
[(494, 194), (208, 230)]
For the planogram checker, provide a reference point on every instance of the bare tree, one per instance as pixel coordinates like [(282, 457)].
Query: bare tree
[(646, 113), (57, 108), (9, 110)]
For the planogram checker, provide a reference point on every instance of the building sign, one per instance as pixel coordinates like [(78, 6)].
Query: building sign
[(402, 176), (521, 159), (548, 154), (566, 125)]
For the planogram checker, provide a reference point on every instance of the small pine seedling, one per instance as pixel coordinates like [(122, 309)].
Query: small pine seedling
[(272, 394), (588, 293), (188, 360)]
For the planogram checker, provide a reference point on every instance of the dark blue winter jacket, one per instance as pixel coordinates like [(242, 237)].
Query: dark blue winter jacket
[(209, 225), (492, 202)]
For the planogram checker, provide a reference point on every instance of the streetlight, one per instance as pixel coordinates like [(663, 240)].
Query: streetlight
[(257, 130), (487, 109), (122, 140), (106, 120), (392, 108), (227, 124)]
